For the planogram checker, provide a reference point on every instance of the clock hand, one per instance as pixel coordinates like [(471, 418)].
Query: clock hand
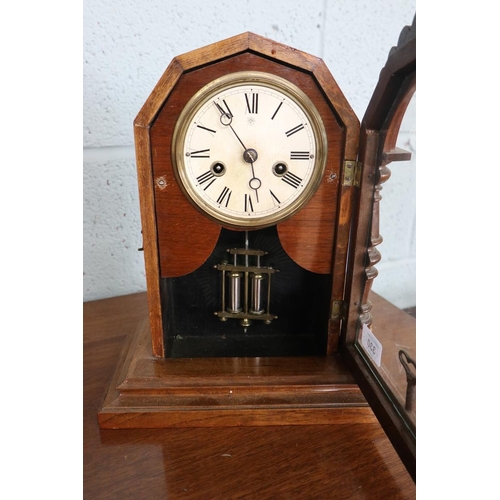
[(219, 107), (255, 184), (226, 119), (237, 137), (250, 155)]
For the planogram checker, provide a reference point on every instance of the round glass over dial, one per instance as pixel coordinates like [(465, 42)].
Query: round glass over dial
[(249, 149)]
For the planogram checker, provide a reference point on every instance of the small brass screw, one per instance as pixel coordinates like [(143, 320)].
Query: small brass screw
[(161, 182)]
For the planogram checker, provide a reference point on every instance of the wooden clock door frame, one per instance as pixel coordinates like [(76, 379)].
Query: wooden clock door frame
[(379, 132)]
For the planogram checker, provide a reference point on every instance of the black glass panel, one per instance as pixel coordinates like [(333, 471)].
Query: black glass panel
[(299, 298)]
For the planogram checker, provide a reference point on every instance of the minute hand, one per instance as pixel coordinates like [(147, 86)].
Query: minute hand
[(226, 119), (237, 137)]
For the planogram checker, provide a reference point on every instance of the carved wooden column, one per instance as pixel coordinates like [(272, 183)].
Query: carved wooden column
[(373, 256)]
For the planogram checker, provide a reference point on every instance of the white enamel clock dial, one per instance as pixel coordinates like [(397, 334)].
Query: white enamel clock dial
[(249, 149)]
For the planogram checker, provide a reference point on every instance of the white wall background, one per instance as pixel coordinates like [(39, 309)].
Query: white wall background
[(128, 45)]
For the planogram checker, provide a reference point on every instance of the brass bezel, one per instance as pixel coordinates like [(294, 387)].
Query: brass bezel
[(206, 93)]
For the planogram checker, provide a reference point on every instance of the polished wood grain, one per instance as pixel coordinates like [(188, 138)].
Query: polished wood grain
[(204, 392), (349, 461), (149, 236)]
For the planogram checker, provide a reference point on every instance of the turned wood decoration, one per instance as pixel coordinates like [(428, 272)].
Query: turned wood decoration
[(373, 256), (177, 237), (383, 173)]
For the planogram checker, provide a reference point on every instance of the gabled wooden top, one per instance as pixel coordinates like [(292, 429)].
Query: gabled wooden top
[(250, 42)]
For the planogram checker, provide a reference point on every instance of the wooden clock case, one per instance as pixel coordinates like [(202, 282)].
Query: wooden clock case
[(332, 236)]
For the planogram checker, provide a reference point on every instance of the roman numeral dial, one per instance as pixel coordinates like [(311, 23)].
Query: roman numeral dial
[(249, 150)]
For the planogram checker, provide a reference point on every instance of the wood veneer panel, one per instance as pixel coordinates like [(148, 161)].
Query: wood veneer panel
[(149, 236)]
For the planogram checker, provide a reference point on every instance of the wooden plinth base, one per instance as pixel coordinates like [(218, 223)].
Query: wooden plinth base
[(148, 392)]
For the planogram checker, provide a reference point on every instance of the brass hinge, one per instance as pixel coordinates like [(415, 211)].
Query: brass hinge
[(352, 173), (338, 310)]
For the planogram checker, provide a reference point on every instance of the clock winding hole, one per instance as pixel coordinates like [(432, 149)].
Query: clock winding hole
[(280, 168), (218, 168)]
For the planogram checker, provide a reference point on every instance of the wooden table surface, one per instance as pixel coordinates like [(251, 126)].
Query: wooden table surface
[(287, 462)]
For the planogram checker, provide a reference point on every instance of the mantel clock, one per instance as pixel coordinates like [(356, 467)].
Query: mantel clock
[(257, 195)]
